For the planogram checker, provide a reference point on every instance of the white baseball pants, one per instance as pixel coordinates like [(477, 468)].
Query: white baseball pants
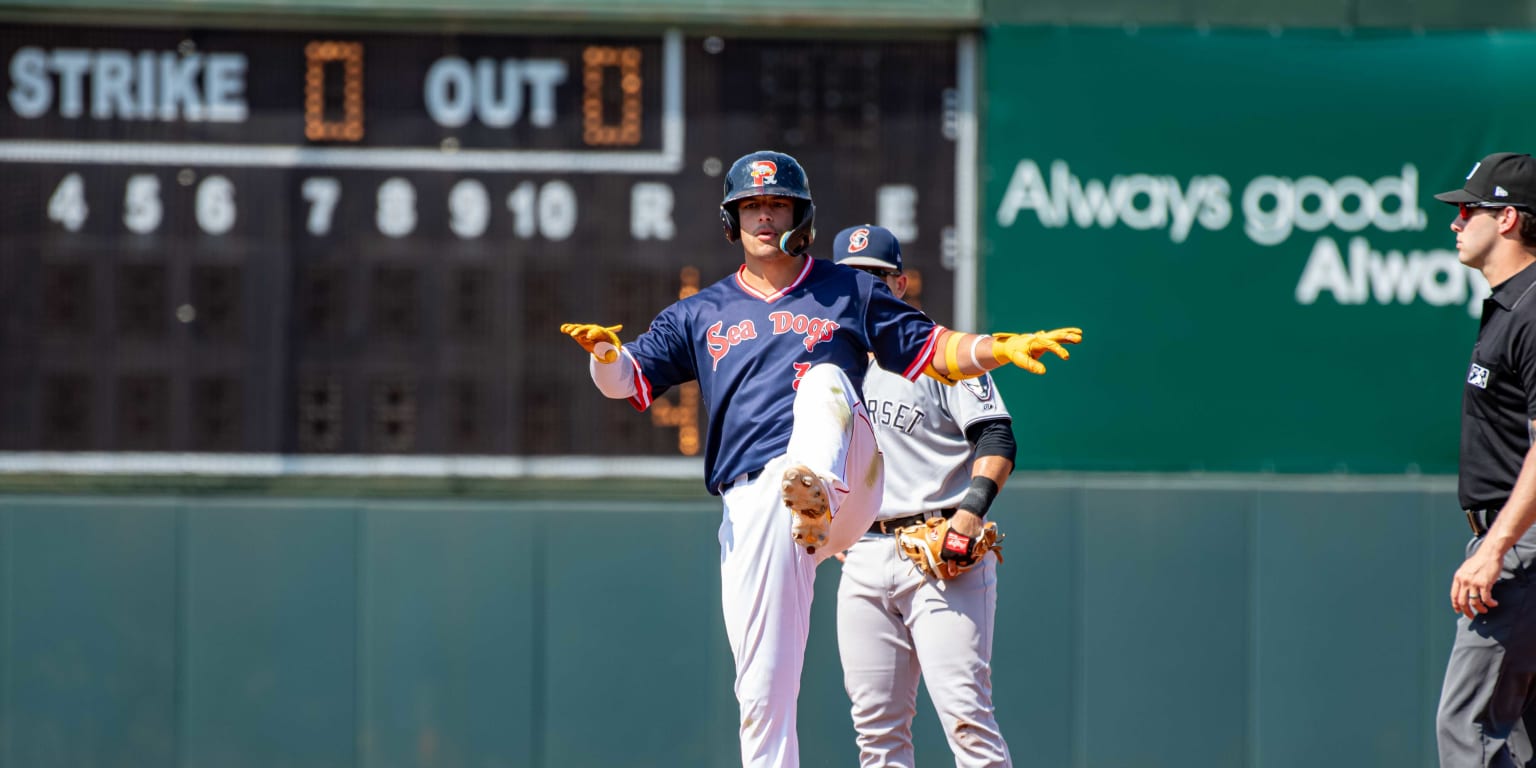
[(766, 580)]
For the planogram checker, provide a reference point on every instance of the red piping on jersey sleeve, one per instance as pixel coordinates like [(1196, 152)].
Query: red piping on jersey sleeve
[(641, 400), (925, 356)]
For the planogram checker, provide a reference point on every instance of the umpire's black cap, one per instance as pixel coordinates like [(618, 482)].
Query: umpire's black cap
[(867, 245), (1505, 178)]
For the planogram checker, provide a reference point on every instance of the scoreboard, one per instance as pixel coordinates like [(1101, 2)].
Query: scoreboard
[(232, 240)]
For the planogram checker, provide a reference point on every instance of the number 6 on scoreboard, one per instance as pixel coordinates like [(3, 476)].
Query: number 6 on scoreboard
[(216, 210)]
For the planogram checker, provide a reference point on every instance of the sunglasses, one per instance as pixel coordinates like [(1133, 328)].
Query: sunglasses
[(882, 273), (1466, 209)]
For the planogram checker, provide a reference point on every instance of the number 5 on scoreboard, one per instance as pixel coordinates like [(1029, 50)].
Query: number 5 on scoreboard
[(142, 210)]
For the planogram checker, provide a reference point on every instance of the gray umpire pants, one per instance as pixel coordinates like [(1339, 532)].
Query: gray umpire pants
[(1490, 681)]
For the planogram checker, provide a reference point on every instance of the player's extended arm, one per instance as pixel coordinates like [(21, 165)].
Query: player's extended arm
[(602, 342), (611, 366), (968, 355)]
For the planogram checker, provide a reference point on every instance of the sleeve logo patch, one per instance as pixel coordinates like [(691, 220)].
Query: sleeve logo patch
[(980, 386), (1478, 376)]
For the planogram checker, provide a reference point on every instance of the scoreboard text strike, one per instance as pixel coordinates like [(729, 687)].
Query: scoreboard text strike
[(263, 241)]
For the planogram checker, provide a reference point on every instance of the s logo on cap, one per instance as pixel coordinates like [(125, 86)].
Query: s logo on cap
[(858, 241)]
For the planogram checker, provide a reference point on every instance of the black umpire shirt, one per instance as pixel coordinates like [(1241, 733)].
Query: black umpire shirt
[(1499, 399)]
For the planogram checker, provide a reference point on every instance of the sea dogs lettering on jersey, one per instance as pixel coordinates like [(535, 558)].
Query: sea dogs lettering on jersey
[(816, 329), (720, 344)]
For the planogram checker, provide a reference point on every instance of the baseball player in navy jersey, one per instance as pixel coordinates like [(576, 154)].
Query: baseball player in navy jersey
[(948, 449), (779, 349)]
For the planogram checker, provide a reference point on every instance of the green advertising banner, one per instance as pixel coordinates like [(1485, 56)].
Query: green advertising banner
[(1243, 224)]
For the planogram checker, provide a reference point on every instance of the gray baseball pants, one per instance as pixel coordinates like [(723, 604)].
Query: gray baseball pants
[(1490, 680)]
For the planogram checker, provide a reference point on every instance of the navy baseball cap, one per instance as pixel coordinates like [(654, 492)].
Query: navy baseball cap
[(1505, 178), (867, 245)]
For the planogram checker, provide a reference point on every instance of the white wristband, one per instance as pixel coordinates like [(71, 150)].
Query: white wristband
[(974, 362), (615, 379)]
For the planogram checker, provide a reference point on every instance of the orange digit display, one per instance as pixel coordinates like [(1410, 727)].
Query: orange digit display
[(316, 55), (596, 61), (684, 415)]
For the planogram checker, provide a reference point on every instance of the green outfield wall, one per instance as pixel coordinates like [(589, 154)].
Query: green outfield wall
[(1143, 621), (1243, 224)]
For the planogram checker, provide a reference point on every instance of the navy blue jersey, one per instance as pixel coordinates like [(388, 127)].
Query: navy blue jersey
[(748, 351)]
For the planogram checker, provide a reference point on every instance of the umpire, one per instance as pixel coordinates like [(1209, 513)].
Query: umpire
[(1490, 680)]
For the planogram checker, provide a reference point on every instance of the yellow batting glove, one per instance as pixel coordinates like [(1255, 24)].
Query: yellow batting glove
[(1025, 349), (599, 341)]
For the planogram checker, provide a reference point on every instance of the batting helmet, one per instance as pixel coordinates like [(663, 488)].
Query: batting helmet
[(770, 173)]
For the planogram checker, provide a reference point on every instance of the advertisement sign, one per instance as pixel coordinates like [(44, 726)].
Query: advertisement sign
[(1243, 224)]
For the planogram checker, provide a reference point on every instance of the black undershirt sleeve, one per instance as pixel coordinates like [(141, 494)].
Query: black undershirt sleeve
[(993, 437)]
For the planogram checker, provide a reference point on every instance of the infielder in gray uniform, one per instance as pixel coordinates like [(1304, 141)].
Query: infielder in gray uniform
[(947, 451)]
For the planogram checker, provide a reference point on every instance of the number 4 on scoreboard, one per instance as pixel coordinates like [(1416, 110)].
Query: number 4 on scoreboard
[(67, 205)]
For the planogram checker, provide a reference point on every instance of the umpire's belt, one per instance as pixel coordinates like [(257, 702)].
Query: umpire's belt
[(888, 527), (1481, 520)]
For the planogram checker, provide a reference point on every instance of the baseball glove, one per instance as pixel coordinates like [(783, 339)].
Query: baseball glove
[(943, 553)]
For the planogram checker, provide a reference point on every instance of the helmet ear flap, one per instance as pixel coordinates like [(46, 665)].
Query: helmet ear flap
[(798, 240), (731, 222)]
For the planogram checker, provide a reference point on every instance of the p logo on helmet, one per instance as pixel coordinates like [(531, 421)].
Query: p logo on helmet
[(764, 172)]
